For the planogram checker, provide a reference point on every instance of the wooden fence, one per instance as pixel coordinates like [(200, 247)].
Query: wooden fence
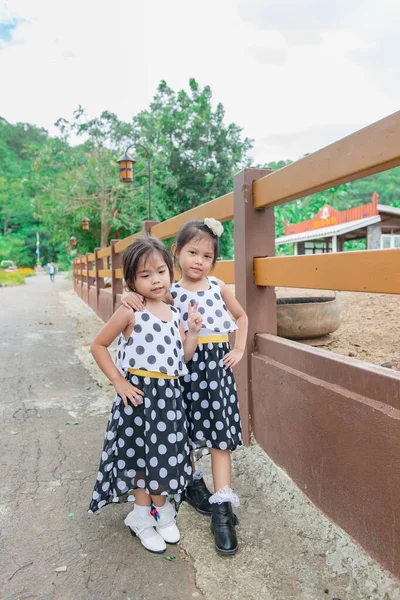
[(332, 423)]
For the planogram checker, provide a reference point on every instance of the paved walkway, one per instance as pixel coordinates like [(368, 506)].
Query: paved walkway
[(54, 405), (48, 468)]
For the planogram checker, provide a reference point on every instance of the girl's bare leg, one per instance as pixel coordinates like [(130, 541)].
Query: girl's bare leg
[(142, 498), (221, 468), (158, 500)]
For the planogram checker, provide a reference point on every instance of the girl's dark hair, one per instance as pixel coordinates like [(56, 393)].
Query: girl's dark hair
[(196, 229), (143, 248)]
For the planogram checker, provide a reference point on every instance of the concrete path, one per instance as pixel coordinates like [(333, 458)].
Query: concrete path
[(288, 549), (48, 469)]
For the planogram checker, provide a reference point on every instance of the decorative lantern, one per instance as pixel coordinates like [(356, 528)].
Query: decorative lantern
[(85, 224), (126, 163), (73, 240)]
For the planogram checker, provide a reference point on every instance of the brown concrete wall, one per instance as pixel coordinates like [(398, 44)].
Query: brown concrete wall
[(93, 298), (85, 293), (334, 427), (105, 308)]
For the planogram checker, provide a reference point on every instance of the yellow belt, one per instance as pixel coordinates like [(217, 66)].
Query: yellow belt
[(212, 339), (152, 374)]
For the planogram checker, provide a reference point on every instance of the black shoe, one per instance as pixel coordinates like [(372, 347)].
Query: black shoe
[(223, 528), (197, 495)]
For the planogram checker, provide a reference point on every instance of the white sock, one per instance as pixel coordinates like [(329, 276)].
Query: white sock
[(142, 512), (226, 494)]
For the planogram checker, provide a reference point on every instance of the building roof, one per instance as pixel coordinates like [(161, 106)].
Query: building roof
[(340, 229), (390, 210)]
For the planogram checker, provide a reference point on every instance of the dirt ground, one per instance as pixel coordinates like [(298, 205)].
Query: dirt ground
[(370, 328)]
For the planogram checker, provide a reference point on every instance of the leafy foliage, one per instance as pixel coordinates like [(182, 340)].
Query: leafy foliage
[(48, 185)]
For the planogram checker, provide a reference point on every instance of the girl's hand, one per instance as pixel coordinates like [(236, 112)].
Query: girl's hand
[(232, 358), (133, 300), (127, 391), (195, 319)]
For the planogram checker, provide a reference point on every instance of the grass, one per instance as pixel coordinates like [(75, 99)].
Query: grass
[(15, 277), (11, 278), (26, 272)]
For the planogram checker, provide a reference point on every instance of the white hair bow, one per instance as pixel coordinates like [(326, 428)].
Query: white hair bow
[(215, 226)]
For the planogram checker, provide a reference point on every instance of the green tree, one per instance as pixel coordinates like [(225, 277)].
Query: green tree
[(18, 222), (193, 158), (74, 182), (194, 152)]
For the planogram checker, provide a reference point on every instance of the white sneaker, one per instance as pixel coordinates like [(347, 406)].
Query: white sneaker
[(166, 525), (143, 528)]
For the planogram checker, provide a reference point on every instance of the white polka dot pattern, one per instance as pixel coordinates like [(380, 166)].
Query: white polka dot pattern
[(145, 447), (154, 345), (212, 403), (211, 305)]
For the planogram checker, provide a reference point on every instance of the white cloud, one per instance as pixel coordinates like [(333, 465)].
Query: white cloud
[(302, 69)]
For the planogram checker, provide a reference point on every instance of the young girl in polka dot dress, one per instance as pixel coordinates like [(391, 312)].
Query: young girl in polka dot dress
[(146, 447), (210, 390)]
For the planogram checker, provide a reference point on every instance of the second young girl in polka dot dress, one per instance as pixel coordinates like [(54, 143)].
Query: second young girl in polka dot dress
[(210, 390)]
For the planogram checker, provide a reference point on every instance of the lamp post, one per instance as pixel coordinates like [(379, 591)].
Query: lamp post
[(126, 163)]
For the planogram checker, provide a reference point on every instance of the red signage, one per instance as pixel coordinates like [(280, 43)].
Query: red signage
[(328, 216)]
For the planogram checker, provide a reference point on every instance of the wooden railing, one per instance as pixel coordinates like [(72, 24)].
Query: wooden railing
[(331, 422), (370, 150)]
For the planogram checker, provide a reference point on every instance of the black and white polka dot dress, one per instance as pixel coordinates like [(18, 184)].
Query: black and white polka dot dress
[(147, 446), (210, 389)]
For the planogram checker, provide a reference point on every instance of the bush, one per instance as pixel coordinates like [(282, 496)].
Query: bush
[(26, 272), (15, 248), (11, 278)]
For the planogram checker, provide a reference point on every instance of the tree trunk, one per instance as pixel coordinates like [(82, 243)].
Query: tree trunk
[(105, 223), (105, 232)]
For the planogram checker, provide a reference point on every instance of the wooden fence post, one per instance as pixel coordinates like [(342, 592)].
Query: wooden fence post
[(76, 276), (86, 280), (254, 237), (82, 275), (147, 225), (90, 279), (80, 293), (116, 284), (98, 264)]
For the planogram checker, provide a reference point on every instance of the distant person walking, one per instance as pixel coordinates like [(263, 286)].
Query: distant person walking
[(52, 271)]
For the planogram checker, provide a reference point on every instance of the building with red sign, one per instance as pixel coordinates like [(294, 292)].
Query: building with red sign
[(329, 229)]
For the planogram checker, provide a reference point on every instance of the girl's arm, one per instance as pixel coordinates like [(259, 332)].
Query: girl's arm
[(195, 321), (234, 356), (121, 321), (133, 300), (137, 301)]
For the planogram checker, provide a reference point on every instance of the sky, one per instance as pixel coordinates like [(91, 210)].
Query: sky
[(296, 75)]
